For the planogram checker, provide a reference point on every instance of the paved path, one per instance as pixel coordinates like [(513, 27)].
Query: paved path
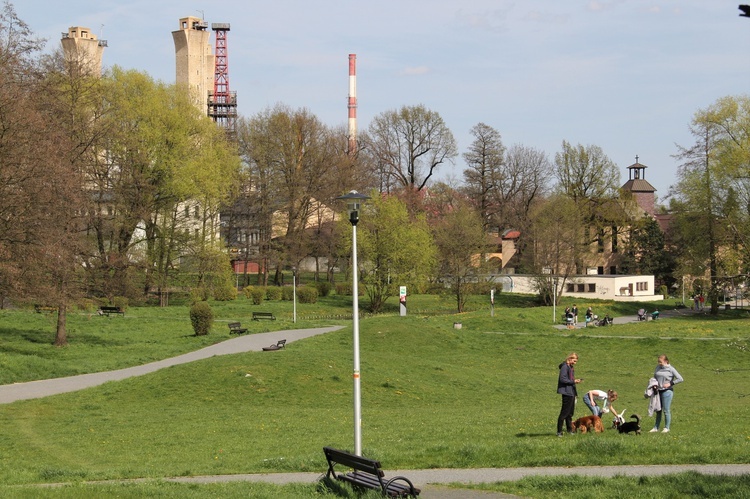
[(244, 343)]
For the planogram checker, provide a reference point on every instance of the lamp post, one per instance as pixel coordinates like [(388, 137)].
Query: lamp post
[(353, 201), (294, 294)]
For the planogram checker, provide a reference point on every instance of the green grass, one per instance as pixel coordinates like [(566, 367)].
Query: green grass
[(432, 396)]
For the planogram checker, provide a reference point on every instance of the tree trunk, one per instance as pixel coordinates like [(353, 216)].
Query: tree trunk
[(61, 337)]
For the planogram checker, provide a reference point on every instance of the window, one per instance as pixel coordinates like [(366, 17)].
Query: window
[(614, 239), (600, 241), (592, 287), (641, 286), (197, 212)]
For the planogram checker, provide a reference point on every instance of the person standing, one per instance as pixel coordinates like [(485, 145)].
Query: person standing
[(575, 314), (606, 398), (666, 377), (566, 386)]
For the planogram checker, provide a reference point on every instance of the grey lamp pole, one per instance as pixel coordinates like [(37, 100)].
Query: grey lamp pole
[(353, 200), (294, 294)]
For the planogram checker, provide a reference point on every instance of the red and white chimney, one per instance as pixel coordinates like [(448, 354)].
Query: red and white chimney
[(352, 103)]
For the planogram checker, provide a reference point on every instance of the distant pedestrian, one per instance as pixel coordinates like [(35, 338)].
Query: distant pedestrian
[(566, 386), (701, 300), (575, 314), (696, 302), (589, 316)]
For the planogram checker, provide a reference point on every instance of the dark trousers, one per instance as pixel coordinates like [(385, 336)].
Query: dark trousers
[(566, 413)]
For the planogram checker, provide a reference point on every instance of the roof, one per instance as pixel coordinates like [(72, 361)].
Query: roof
[(638, 185)]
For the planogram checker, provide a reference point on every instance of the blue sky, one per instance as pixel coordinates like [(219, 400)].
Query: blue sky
[(626, 75)]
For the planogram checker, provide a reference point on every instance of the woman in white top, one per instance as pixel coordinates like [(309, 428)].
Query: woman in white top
[(606, 399)]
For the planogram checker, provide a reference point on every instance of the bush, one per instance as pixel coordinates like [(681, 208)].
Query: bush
[(120, 301), (287, 293), (225, 292), (324, 288), (307, 294), (255, 293), (199, 294), (273, 293), (202, 317), (345, 289), (664, 291)]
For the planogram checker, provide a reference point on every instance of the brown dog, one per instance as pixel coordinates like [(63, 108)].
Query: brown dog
[(588, 423)]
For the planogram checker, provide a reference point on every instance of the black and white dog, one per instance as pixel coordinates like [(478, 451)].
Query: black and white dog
[(623, 427)]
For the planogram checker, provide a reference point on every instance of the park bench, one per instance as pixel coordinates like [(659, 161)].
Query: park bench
[(44, 308), (367, 473), (263, 315), (105, 310), (278, 346), (236, 328)]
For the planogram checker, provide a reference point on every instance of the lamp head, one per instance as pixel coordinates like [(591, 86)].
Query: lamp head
[(354, 201)]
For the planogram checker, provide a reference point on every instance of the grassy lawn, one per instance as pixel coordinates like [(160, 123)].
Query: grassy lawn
[(432, 396)]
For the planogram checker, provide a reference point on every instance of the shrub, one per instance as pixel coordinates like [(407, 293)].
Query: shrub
[(307, 294), (202, 317), (120, 301), (664, 291), (255, 293), (273, 293), (345, 289), (324, 288), (225, 292), (287, 293), (199, 294)]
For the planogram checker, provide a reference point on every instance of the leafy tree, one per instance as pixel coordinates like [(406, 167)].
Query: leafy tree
[(409, 145), (293, 163), (710, 180), (646, 252), (461, 243), (394, 249), (586, 173), (553, 251)]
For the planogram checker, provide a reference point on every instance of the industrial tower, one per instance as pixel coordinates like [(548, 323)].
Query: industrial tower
[(222, 104), (80, 45), (206, 74), (352, 104), (194, 60)]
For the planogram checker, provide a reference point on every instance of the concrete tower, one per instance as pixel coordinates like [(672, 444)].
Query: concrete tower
[(80, 45), (194, 60)]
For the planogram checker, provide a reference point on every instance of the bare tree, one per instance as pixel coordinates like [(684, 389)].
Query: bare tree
[(485, 158), (409, 145)]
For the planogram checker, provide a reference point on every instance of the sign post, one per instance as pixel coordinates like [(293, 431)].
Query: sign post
[(402, 300)]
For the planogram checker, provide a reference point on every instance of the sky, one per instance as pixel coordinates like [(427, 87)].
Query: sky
[(625, 75)]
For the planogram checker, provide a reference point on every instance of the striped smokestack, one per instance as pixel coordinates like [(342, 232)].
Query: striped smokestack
[(352, 103)]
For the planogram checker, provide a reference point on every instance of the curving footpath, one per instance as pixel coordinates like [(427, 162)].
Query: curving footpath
[(241, 344), (428, 480)]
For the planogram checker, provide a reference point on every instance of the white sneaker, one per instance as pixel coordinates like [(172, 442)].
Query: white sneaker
[(665, 430), (654, 430)]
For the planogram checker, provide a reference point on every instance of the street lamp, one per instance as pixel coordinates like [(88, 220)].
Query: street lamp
[(353, 201), (294, 294)]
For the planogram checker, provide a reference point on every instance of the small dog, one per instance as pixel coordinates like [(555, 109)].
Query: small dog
[(588, 423), (623, 427)]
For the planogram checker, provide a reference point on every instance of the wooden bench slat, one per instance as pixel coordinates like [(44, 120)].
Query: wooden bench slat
[(263, 315)]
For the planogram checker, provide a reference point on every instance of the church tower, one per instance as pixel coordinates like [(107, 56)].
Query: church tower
[(643, 193)]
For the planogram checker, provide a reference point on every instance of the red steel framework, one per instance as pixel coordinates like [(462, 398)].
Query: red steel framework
[(222, 104)]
